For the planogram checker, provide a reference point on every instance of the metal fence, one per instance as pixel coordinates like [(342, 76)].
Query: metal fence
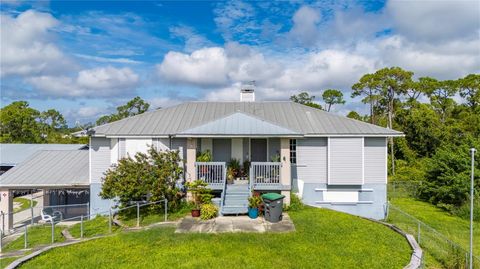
[(81, 225), (440, 250)]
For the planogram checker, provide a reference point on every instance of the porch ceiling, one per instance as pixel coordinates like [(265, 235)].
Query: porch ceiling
[(239, 124)]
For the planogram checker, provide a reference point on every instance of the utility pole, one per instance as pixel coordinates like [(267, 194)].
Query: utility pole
[(472, 151)]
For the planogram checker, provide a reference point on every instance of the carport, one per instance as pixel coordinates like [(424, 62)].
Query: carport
[(61, 175)]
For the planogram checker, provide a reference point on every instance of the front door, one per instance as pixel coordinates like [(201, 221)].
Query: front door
[(222, 150), (258, 149)]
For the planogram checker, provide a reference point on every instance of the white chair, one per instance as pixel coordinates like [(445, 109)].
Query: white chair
[(50, 215)]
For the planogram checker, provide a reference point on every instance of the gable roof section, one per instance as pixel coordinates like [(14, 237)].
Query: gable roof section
[(13, 154), (238, 124), (49, 168), (295, 117)]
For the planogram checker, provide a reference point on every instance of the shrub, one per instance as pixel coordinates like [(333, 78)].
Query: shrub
[(234, 166), (296, 203), (152, 176), (254, 201), (201, 194), (205, 156), (208, 211)]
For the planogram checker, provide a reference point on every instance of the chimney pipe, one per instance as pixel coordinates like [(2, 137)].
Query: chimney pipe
[(247, 92)]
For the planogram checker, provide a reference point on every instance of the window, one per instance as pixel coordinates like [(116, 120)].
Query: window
[(293, 151)]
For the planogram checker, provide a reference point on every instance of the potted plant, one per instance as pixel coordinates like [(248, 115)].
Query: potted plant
[(201, 194), (230, 175), (254, 202), (204, 157)]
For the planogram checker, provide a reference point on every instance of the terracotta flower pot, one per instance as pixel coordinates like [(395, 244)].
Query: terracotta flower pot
[(195, 213)]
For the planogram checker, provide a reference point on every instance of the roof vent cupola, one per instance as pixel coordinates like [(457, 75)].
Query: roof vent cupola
[(247, 92)]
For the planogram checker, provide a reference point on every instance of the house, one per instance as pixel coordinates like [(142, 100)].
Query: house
[(13, 154), (328, 160), (58, 174)]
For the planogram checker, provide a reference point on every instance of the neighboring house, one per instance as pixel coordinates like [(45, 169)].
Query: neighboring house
[(329, 160), (59, 173), (13, 154)]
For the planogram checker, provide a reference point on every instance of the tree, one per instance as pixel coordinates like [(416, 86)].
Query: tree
[(304, 98), (389, 84), (152, 176), (332, 97), (19, 124), (134, 107), (440, 94), (469, 87), (53, 119), (367, 87)]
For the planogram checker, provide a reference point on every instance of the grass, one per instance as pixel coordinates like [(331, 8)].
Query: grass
[(438, 251), (93, 227), (150, 215), (37, 235), (24, 204), (323, 239), (4, 262)]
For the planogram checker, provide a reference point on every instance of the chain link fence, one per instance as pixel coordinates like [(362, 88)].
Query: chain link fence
[(440, 251), (55, 224)]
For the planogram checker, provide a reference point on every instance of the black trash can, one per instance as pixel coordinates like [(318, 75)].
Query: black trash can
[(273, 206)]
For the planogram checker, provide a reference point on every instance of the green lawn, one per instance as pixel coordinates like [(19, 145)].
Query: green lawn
[(93, 227), (37, 235), (453, 227), (4, 262), (323, 239), (24, 204), (149, 215)]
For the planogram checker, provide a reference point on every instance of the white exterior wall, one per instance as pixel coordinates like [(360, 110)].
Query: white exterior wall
[(312, 160), (134, 145), (345, 160), (375, 154), (100, 158)]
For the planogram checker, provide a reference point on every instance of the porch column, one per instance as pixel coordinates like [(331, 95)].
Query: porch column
[(285, 169), (6, 206), (191, 158)]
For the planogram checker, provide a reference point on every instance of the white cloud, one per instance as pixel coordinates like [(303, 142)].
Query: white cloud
[(435, 20), (205, 67), (90, 112), (27, 47), (107, 60), (305, 23), (96, 82)]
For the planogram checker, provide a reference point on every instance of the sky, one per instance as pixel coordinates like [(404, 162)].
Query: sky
[(84, 58)]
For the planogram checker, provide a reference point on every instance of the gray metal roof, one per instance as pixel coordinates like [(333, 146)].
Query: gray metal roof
[(13, 154), (299, 118), (49, 168), (238, 124)]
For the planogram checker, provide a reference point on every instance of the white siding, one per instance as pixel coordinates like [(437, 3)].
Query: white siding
[(375, 160), (312, 160), (181, 145), (345, 160), (134, 145), (161, 144), (100, 158), (114, 151), (122, 151)]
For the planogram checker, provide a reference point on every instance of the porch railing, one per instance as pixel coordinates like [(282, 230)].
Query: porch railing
[(212, 173), (265, 175)]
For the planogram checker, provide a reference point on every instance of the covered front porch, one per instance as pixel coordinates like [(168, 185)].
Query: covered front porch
[(261, 163)]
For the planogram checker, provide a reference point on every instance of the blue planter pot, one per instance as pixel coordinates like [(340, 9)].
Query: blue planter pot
[(253, 213)]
